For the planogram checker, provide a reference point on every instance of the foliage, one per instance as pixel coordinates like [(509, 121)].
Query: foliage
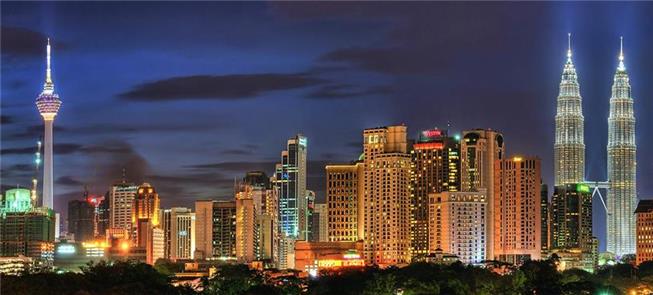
[(533, 277), (117, 277)]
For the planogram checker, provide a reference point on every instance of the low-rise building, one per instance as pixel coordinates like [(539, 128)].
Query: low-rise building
[(312, 257)]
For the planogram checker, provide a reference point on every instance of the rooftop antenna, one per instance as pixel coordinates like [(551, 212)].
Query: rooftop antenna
[(569, 47), (124, 175), (622, 67)]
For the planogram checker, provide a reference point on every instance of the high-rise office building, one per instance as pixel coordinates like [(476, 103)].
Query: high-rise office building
[(569, 147), (622, 194), (25, 230), (386, 196), (254, 234), (290, 180), (178, 225), (571, 217), (48, 104), (103, 211), (147, 232), (479, 151), (319, 224), (435, 168), (269, 225), (457, 224), (518, 182), (344, 200), (644, 213), (121, 198), (310, 209), (215, 223), (545, 218), (81, 217)]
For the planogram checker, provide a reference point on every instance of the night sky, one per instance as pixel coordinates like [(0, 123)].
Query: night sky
[(189, 96)]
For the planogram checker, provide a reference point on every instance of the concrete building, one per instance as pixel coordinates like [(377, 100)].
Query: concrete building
[(457, 225), (121, 200), (545, 218), (319, 230), (517, 237), (344, 200), (178, 225), (435, 168), (147, 232), (479, 151), (386, 196), (81, 220), (215, 223), (571, 217), (28, 233), (313, 257), (644, 213)]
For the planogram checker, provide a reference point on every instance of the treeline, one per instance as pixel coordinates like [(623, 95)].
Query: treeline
[(534, 277)]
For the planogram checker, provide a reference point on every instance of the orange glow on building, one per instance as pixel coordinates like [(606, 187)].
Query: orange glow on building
[(428, 145), (312, 257)]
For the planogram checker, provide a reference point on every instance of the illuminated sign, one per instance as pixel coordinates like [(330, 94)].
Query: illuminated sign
[(351, 256), (583, 188), (66, 249), (428, 146), (303, 141), (432, 133), (517, 159)]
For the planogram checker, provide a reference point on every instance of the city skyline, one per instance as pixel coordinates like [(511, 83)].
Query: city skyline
[(208, 165)]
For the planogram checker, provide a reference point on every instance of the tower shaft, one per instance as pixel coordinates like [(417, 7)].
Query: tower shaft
[(569, 147), (48, 186), (622, 195)]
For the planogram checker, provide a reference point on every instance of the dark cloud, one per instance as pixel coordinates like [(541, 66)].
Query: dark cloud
[(34, 131), (390, 60), (235, 166), (58, 148), (24, 42), (225, 87), (4, 119), (237, 152), (336, 91), (18, 171), (68, 181), (111, 158)]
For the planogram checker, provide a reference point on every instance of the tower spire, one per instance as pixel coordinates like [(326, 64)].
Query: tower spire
[(48, 87), (569, 47), (622, 67)]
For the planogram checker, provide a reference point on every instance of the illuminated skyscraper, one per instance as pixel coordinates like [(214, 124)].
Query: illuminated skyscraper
[(386, 194), (435, 168), (121, 201), (571, 217), (215, 223), (569, 147), (251, 195), (344, 198), (622, 196), (179, 230), (479, 151), (458, 225), (291, 183), (517, 229), (48, 104), (145, 218)]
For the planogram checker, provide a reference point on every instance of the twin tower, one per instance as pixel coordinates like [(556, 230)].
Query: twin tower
[(569, 149)]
